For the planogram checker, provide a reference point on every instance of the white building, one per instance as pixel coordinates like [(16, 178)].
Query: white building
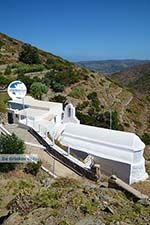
[(32, 110), (119, 153)]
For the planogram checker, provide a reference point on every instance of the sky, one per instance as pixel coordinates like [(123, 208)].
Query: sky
[(80, 30)]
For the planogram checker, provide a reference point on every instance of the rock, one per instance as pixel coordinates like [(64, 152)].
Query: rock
[(13, 219), (40, 216), (108, 209), (4, 214), (22, 203), (119, 223), (90, 221), (115, 182), (144, 202), (103, 185), (83, 209)]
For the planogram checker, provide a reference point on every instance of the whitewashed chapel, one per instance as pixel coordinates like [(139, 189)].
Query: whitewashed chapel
[(119, 153)]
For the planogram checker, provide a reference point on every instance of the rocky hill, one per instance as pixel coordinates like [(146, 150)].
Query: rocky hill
[(93, 94), (111, 66), (10, 49), (27, 199), (137, 78)]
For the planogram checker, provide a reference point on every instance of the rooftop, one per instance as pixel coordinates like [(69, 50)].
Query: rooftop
[(104, 136), (30, 101), (31, 112)]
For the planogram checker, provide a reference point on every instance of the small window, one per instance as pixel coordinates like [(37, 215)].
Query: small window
[(62, 116), (69, 112)]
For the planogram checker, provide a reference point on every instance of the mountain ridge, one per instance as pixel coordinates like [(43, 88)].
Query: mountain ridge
[(112, 65), (137, 78)]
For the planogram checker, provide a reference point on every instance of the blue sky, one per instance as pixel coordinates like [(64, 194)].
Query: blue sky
[(81, 29)]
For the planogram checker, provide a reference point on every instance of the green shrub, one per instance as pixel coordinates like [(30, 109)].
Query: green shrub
[(82, 106), (59, 98), (60, 78), (94, 100), (57, 87), (77, 92), (148, 169), (3, 101), (92, 96), (129, 110), (48, 198), (100, 119), (17, 186), (63, 222), (1, 61), (51, 61), (7, 70), (26, 80), (29, 55), (54, 213), (37, 89), (33, 167), (10, 144), (95, 104), (146, 138), (147, 98), (23, 68), (64, 182), (4, 80), (1, 44)]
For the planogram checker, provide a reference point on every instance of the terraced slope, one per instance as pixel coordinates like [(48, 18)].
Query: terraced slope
[(137, 78)]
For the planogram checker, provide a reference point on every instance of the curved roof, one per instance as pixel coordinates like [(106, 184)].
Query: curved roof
[(112, 144)]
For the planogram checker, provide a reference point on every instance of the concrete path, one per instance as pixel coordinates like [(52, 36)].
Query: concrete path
[(21, 133), (48, 161)]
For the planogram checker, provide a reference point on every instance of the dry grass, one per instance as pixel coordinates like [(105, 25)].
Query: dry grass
[(147, 153), (144, 187)]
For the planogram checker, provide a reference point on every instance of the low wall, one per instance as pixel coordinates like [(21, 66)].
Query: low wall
[(109, 167)]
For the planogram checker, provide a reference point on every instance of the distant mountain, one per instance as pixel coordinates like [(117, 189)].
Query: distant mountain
[(137, 78), (111, 66)]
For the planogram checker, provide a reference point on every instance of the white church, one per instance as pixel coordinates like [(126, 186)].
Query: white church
[(117, 152)]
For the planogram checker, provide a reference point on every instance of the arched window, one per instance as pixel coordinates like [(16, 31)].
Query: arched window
[(69, 112)]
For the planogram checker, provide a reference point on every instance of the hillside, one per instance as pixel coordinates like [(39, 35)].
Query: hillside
[(93, 94), (27, 199), (111, 66), (137, 78), (10, 49)]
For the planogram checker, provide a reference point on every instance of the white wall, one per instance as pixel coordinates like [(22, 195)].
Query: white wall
[(111, 148)]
